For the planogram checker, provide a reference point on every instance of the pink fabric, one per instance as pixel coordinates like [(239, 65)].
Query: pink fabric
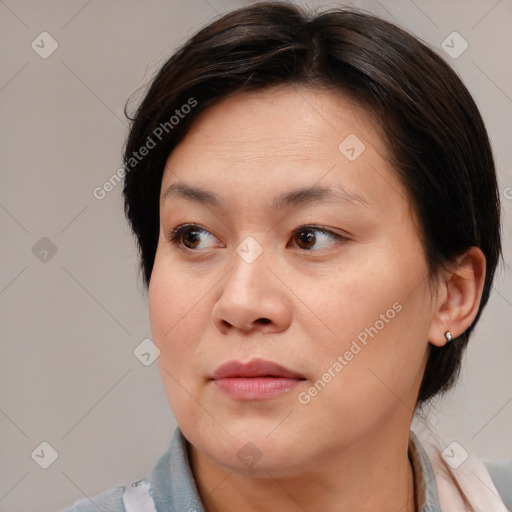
[(468, 487)]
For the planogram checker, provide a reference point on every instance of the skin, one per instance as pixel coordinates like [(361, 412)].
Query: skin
[(298, 305)]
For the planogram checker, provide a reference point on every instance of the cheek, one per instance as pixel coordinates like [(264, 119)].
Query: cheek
[(174, 319), (173, 312), (375, 315), (163, 303), (174, 297), (350, 300)]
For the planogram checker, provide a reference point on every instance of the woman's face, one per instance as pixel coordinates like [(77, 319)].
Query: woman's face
[(301, 249)]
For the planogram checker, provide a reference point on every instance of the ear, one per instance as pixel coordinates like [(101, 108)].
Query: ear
[(459, 291)]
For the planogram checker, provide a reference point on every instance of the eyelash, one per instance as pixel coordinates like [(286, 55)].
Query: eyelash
[(174, 236)]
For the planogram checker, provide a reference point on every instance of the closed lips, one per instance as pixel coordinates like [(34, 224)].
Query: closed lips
[(254, 368)]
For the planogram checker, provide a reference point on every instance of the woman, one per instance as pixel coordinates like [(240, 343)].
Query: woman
[(315, 202)]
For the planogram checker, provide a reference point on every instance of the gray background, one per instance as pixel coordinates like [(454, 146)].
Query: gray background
[(70, 321)]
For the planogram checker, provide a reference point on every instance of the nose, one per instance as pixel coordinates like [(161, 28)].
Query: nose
[(252, 299)]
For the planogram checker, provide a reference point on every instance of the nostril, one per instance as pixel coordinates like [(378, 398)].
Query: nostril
[(263, 321)]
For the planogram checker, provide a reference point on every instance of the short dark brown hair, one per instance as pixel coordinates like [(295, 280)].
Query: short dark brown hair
[(434, 131)]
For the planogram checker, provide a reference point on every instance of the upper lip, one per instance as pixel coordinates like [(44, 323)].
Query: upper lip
[(254, 368)]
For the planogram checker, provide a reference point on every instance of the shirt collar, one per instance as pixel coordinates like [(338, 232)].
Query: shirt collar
[(425, 487), (173, 486)]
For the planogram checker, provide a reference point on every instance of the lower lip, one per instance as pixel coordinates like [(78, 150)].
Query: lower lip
[(256, 388)]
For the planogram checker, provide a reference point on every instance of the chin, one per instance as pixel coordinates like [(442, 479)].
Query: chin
[(252, 446)]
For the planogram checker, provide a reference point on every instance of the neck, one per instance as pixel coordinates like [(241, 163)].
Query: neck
[(368, 476)]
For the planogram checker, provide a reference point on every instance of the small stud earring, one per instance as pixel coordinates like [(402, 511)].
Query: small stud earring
[(448, 336)]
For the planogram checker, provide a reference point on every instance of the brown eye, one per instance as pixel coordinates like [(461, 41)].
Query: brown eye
[(188, 236), (307, 237)]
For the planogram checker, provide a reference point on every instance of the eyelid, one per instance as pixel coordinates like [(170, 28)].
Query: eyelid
[(336, 237), (173, 235), (321, 229)]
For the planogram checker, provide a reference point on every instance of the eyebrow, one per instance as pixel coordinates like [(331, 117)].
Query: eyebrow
[(334, 194)]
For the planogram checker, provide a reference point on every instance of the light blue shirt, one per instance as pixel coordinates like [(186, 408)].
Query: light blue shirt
[(172, 487)]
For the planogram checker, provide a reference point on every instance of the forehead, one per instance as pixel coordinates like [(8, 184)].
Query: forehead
[(284, 119), (262, 140)]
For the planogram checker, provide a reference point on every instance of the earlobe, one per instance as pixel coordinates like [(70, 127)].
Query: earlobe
[(458, 299)]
